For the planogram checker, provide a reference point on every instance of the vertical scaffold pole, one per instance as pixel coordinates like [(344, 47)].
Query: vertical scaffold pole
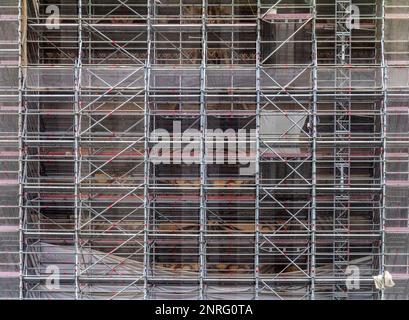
[(203, 127), (257, 157), (384, 71), (146, 245), (77, 152)]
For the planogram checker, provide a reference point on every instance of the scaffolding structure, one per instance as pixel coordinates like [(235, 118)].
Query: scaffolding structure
[(310, 203)]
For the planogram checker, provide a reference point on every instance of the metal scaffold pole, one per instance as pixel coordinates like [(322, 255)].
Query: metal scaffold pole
[(203, 152), (77, 152), (21, 149), (342, 133), (384, 121), (313, 122)]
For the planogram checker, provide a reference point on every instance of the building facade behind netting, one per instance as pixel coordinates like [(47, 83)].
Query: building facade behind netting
[(188, 149)]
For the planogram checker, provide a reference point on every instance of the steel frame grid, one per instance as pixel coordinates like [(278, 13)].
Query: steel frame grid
[(315, 188)]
